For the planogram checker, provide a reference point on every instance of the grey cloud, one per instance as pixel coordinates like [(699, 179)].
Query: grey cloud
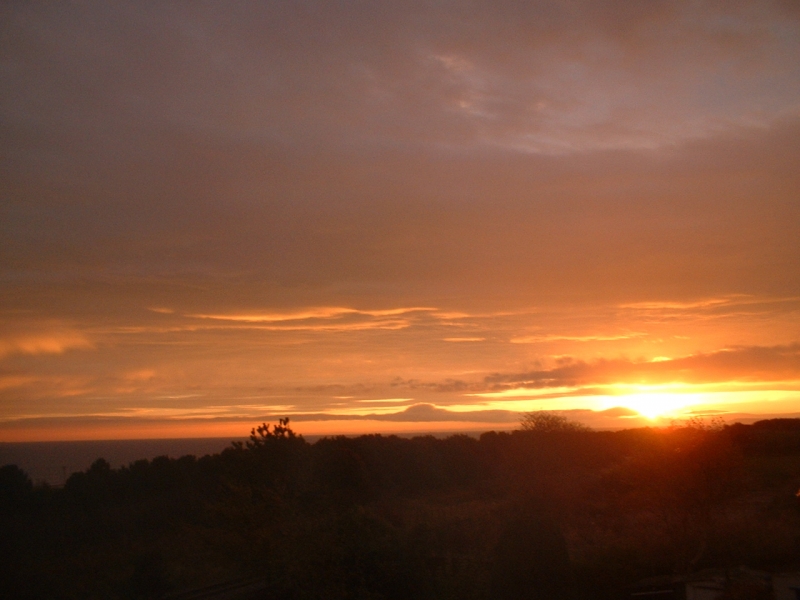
[(448, 385), (420, 412), (428, 412), (320, 144), (718, 216), (549, 76), (776, 363)]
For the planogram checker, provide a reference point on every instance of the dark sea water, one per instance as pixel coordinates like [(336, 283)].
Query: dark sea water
[(53, 462)]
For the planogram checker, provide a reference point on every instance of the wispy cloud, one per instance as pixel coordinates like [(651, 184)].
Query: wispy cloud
[(534, 339), (12, 381), (388, 400), (43, 343), (330, 312), (722, 307), (319, 319), (688, 305), (746, 363), (709, 303), (334, 327)]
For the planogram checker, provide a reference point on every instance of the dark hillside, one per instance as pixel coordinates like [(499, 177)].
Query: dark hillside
[(557, 513)]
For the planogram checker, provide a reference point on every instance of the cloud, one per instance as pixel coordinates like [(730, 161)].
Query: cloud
[(535, 339), (331, 312), (617, 411), (331, 319), (747, 363), (690, 305), (712, 308), (12, 381), (140, 375), (549, 76), (429, 412), (210, 418), (44, 343), (333, 327), (212, 192)]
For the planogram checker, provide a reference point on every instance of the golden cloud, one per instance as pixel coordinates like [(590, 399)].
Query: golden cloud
[(44, 343)]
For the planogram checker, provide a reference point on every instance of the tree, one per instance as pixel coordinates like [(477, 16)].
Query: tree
[(274, 455), (261, 435), (547, 422), (15, 486), (531, 558)]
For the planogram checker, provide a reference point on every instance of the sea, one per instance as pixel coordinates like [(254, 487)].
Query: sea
[(54, 462)]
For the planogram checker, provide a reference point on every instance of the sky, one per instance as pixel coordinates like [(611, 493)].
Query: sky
[(396, 217)]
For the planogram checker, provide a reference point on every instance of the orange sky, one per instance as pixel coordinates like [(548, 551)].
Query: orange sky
[(396, 218)]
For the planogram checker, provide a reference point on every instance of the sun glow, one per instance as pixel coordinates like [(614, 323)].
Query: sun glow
[(659, 401), (657, 404), (675, 400)]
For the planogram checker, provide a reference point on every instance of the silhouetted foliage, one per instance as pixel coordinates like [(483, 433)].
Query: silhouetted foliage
[(15, 487), (547, 422), (531, 560), (544, 512)]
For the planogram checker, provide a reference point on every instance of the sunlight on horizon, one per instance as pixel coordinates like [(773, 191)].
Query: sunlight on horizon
[(677, 400), (673, 400), (654, 405)]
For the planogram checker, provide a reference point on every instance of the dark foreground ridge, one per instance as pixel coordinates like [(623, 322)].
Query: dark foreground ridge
[(556, 511), (248, 588)]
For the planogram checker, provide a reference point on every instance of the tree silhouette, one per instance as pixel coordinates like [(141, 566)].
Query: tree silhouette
[(261, 435), (547, 422), (531, 558)]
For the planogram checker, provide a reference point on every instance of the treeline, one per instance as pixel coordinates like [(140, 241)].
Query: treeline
[(552, 512)]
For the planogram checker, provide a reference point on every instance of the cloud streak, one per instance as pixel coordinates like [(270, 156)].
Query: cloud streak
[(43, 343), (534, 339), (332, 312), (776, 363)]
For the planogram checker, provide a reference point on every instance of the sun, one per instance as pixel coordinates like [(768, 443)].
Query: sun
[(657, 404)]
